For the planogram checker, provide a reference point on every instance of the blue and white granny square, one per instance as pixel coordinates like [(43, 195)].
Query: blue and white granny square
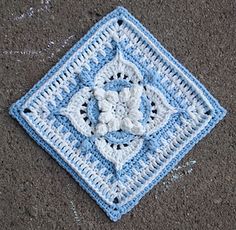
[(118, 112)]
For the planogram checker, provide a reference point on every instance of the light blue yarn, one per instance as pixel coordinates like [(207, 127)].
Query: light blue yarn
[(86, 144), (93, 111)]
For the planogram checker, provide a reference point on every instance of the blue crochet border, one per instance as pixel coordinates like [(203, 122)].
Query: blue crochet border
[(114, 215)]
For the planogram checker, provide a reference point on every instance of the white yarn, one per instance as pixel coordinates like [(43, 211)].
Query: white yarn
[(119, 111)]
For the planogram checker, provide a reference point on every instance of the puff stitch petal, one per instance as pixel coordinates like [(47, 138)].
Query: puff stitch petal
[(124, 95), (99, 93)]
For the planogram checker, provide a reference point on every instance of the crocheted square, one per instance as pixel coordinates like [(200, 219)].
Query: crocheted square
[(118, 112)]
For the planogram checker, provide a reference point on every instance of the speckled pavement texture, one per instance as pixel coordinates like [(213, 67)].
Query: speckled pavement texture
[(36, 193)]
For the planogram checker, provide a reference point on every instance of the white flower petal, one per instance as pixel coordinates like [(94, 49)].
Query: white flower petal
[(133, 102), (114, 125), (101, 129), (124, 95), (112, 96), (127, 124), (138, 129), (105, 117), (135, 114), (136, 91), (99, 93), (105, 105)]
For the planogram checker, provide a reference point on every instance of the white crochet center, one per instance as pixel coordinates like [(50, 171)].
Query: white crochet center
[(119, 110)]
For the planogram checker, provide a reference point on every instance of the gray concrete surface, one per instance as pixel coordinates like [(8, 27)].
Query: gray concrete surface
[(35, 193)]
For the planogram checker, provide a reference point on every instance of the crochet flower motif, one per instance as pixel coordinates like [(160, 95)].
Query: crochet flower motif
[(110, 112), (120, 110)]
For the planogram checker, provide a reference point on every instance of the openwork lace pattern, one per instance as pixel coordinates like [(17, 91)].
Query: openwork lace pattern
[(118, 112)]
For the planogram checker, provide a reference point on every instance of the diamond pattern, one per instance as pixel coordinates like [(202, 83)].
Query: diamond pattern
[(119, 164)]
